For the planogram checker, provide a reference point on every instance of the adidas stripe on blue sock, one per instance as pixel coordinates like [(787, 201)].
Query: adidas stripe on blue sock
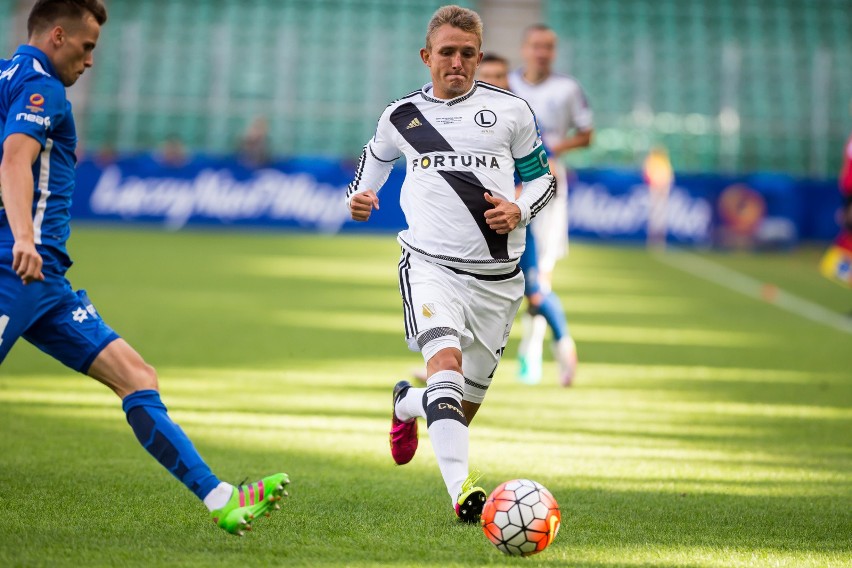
[(165, 440)]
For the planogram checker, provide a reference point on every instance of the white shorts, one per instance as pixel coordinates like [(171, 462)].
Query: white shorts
[(550, 226), (444, 308)]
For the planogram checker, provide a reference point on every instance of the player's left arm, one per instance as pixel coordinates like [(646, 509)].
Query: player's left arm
[(580, 139), (536, 192), (531, 165), (583, 125)]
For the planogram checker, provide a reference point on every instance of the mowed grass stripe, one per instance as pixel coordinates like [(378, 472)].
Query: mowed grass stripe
[(705, 429)]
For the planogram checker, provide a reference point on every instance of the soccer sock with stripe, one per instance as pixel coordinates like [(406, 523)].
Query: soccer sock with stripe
[(165, 440), (447, 427), (411, 405)]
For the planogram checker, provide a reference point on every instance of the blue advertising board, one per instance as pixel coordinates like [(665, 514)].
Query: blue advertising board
[(308, 194)]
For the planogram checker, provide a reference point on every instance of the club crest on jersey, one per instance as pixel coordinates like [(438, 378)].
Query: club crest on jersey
[(414, 124), (485, 118), (455, 161)]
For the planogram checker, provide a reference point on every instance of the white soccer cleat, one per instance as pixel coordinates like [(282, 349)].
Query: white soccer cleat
[(565, 353)]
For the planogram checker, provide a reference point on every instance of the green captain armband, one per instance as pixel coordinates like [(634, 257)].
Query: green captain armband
[(533, 166)]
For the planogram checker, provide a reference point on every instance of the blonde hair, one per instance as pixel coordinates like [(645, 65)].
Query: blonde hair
[(458, 17)]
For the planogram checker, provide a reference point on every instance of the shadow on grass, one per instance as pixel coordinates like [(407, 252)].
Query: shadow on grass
[(114, 505)]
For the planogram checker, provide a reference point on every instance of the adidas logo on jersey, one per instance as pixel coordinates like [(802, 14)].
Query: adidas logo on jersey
[(414, 124)]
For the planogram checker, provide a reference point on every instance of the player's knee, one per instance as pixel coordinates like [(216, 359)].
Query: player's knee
[(441, 349), (445, 360), (535, 301), (144, 377)]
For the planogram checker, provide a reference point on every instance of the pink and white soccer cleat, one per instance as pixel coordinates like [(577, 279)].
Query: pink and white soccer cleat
[(403, 435)]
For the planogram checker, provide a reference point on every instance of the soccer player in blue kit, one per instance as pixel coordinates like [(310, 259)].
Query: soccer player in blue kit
[(36, 301)]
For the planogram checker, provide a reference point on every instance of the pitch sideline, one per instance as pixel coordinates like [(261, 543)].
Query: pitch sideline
[(748, 286)]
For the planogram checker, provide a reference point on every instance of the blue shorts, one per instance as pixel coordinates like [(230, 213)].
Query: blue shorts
[(50, 315), (529, 264)]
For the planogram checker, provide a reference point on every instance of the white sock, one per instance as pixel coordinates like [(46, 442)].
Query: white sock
[(539, 329), (411, 405), (526, 331), (447, 427), (219, 496)]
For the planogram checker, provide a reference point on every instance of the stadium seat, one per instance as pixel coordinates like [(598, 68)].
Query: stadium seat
[(321, 72), (777, 42)]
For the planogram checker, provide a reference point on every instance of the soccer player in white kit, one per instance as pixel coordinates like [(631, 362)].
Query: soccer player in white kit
[(566, 124), (462, 141)]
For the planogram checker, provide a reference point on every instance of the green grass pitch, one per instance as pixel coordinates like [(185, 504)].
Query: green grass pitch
[(706, 428)]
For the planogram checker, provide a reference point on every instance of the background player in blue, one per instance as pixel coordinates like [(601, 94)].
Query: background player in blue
[(36, 301), (494, 69)]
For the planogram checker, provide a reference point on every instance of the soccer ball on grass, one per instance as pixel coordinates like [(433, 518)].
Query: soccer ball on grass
[(521, 517)]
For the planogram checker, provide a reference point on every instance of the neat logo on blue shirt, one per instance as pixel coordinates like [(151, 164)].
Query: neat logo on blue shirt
[(40, 120), (33, 102)]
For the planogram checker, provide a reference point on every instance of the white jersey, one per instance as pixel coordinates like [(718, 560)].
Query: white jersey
[(559, 104), (455, 151)]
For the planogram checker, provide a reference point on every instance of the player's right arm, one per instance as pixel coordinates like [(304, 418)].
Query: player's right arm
[(16, 180), (582, 123), (362, 204), (34, 107), (373, 170)]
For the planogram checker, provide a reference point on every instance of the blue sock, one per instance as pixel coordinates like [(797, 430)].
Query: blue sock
[(164, 440), (551, 309)]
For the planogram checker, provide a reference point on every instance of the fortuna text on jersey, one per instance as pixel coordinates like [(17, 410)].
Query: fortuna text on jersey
[(453, 161)]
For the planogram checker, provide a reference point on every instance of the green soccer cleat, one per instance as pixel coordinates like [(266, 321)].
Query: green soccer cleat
[(529, 369), (250, 501), (471, 499)]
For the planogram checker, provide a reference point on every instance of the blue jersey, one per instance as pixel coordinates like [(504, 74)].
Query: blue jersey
[(32, 102), (49, 314)]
